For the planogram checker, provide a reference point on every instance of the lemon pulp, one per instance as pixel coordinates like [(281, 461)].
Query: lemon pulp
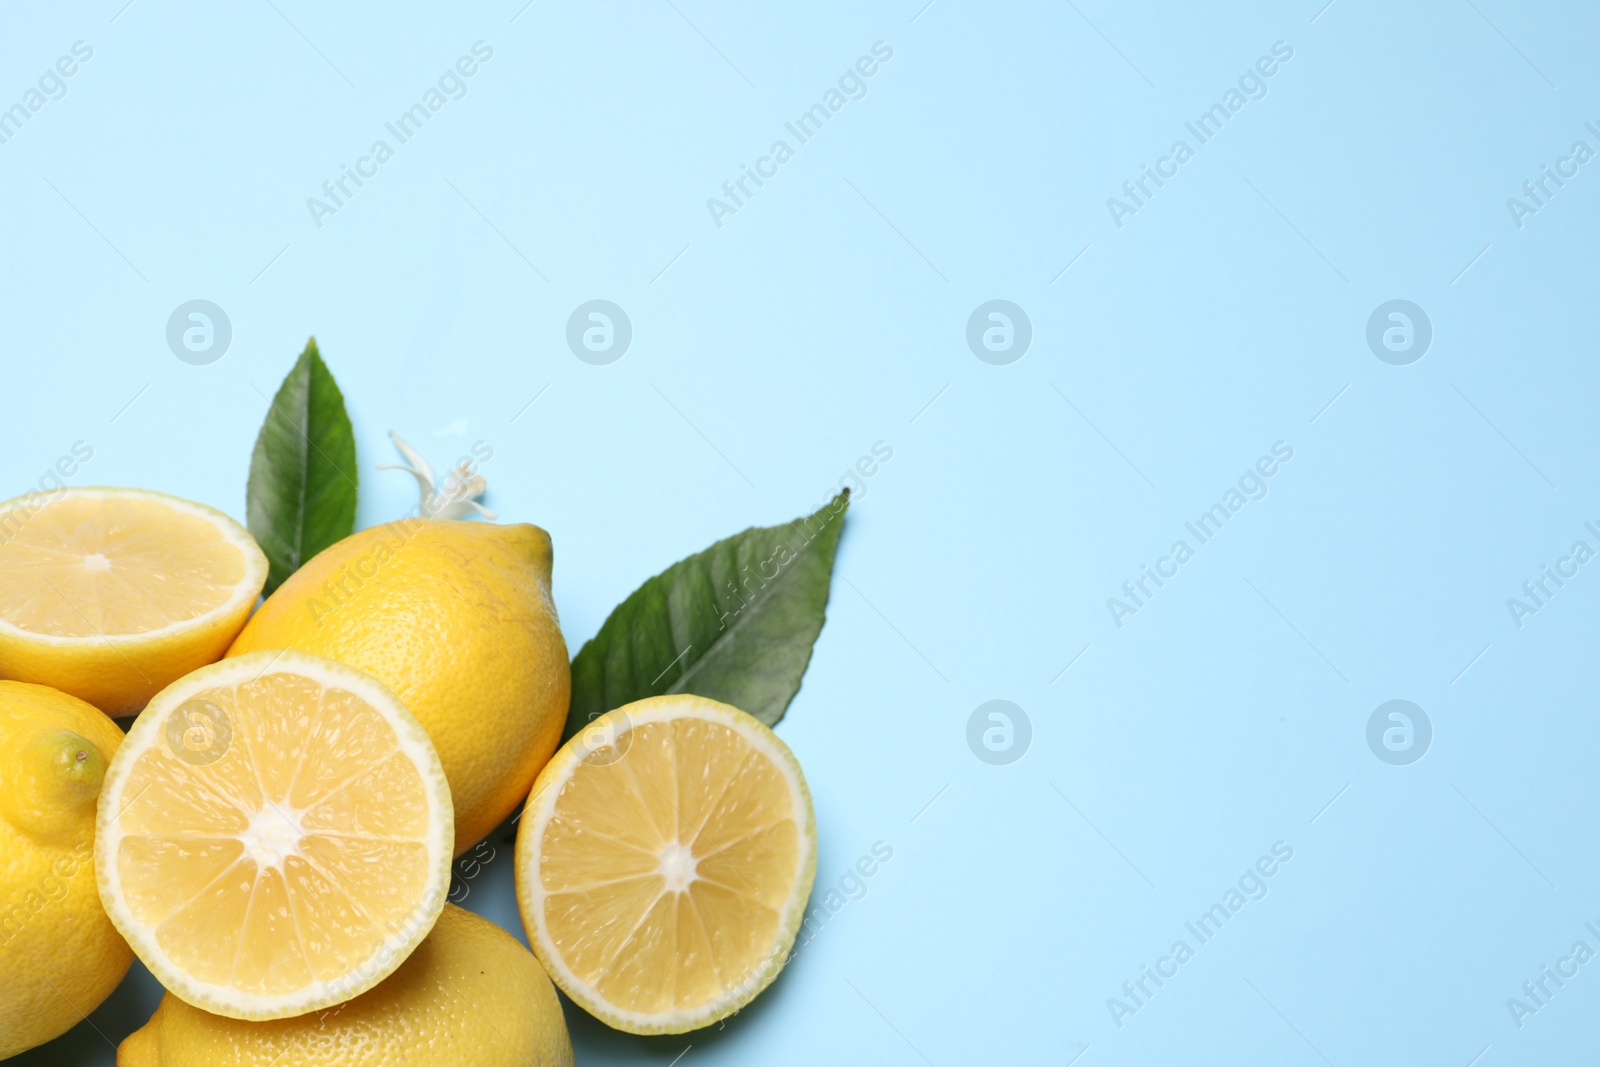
[(111, 594), (91, 565), (275, 835), (664, 874)]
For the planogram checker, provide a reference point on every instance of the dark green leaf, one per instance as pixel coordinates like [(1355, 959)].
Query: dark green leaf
[(734, 623), (302, 492)]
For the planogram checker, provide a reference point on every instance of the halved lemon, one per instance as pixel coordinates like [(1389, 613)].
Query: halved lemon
[(112, 594), (274, 835), (664, 860)]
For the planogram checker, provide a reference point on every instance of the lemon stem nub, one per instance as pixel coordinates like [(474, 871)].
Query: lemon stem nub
[(73, 763), (57, 783)]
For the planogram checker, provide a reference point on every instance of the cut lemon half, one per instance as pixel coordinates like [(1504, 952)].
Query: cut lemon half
[(112, 594), (274, 835), (664, 861)]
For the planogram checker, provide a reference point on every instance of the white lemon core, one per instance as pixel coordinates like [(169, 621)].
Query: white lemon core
[(274, 834), (677, 866)]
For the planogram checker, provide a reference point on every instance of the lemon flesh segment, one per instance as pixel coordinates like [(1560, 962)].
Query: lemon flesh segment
[(111, 594), (663, 875), (275, 835)]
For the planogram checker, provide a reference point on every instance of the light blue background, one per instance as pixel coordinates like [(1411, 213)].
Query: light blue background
[(828, 314)]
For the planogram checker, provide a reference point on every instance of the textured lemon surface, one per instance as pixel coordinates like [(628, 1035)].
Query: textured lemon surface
[(112, 594), (274, 835), (664, 860), (59, 954), (469, 994), (456, 618)]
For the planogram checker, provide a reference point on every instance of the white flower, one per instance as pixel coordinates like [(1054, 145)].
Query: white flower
[(455, 498)]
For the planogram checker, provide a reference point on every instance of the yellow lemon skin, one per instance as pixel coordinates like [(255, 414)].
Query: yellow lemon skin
[(469, 994), (59, 954), (456, 618)]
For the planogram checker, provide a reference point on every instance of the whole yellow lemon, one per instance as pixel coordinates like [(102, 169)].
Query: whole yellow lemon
[(469, 994), (59, 954), (457, 620)]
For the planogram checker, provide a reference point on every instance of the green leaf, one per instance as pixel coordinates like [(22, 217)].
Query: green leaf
[(734, 623), (302, 492)]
